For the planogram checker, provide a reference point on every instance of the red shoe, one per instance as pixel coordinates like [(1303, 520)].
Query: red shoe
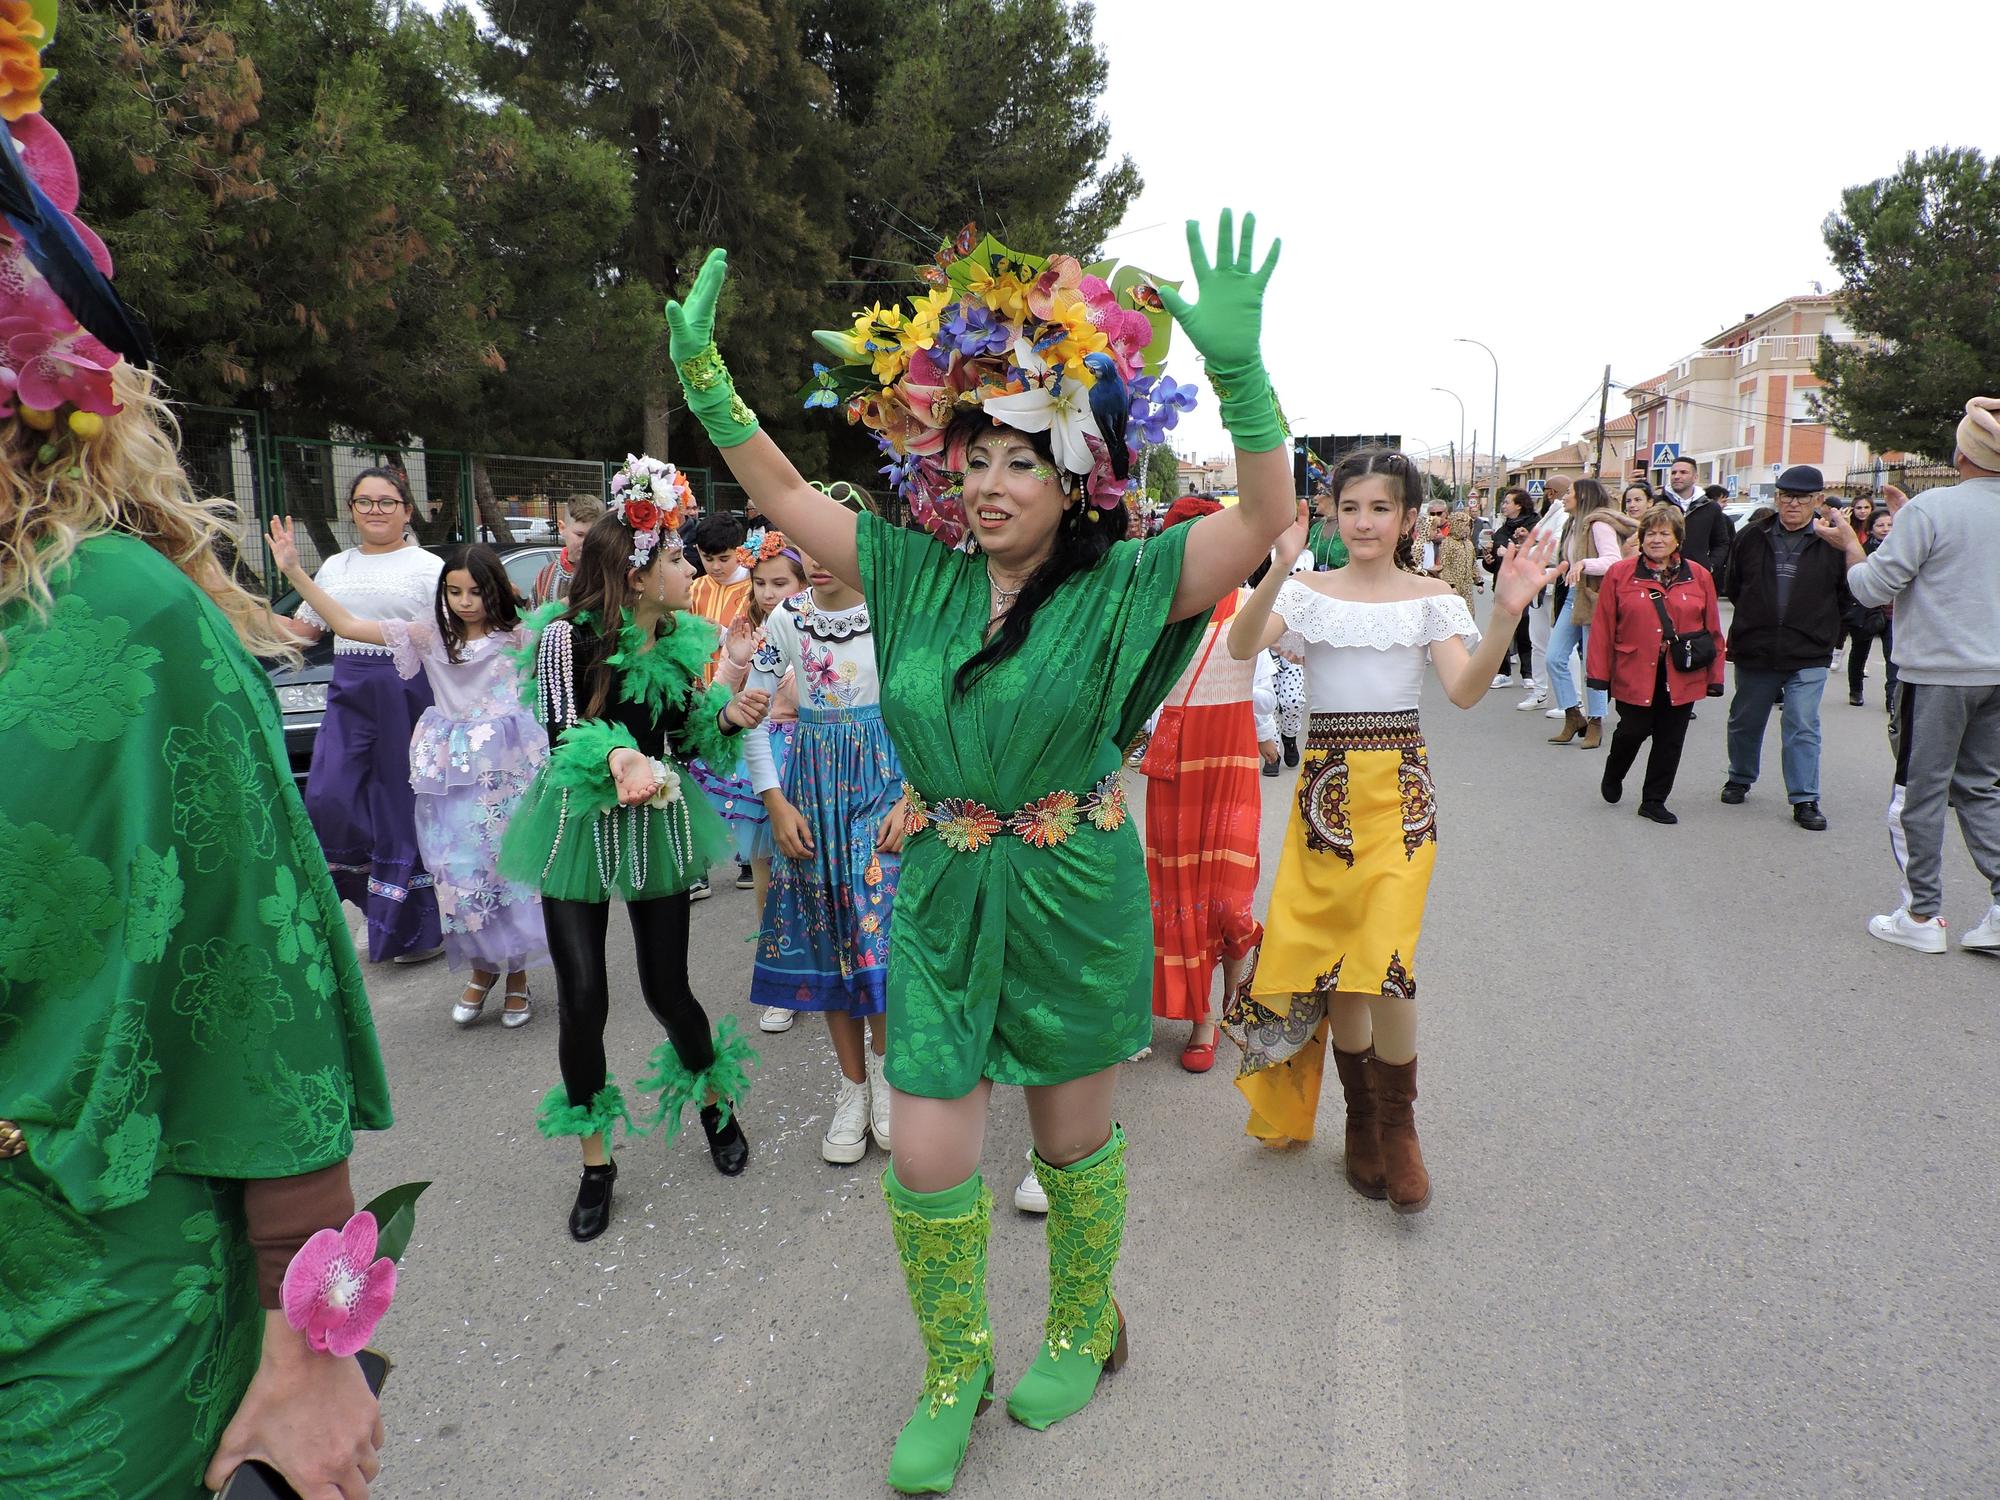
[(1199, 1057)]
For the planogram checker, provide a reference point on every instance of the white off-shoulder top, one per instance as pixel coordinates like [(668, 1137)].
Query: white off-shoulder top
[(1367, 658)]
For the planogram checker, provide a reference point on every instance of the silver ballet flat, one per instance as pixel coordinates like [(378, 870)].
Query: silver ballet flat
[(513, 1018)]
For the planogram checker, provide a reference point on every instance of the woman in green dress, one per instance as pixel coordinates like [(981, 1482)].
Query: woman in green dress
[(185, 1046), (1011, 677)]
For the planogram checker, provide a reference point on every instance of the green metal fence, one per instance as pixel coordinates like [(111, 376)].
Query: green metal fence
[(233, 454)]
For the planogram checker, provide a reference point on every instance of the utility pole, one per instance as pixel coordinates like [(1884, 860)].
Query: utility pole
[(1603, 405), (1471, 468)]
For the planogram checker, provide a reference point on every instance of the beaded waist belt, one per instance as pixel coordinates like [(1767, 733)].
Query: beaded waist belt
[(1374, 731), (964, 825)]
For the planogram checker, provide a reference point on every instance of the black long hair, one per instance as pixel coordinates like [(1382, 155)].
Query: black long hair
[(496, 592), (1083, 537), (598, 588)]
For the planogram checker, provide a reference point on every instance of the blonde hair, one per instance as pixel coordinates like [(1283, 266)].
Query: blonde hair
[(128, 478), (583, 508)]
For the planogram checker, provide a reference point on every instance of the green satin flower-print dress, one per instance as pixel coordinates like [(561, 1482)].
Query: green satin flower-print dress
[(180, 1009), (1022, 949)]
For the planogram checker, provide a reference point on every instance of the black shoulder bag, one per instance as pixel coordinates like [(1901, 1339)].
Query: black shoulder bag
[(1691, 652)]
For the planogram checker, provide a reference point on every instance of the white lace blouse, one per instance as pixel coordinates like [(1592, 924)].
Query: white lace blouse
[(1367, 658), (399, 585)]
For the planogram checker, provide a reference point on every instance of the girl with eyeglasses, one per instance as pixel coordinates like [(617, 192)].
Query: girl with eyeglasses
[(358, 793)]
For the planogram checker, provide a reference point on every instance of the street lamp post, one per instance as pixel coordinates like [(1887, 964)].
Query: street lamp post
[(1456, 491), (1494, 436)]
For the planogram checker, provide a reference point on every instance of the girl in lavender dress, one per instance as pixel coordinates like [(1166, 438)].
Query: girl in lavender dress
[(473, 753)]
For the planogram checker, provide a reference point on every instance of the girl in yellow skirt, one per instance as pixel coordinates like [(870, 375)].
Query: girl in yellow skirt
[(1339, 953)]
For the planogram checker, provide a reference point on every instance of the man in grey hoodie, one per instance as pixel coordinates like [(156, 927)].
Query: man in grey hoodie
[(1939, 570)]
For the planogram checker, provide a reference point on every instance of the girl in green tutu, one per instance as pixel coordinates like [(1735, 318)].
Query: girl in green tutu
[(615, 674)]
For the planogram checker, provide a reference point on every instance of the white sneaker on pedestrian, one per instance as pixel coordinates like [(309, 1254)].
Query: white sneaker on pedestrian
[(776, 1018), (1537, 695), (846, 1139), (1505, 679), (1029, 1197), (1986, 935), (1554, 713), (878, 1099), (1900, 927)]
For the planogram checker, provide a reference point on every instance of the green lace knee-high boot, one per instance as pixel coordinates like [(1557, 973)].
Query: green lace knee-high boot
[(1085, 1333), (941, 1241)]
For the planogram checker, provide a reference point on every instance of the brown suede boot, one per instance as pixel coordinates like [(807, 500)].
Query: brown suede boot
[(1572, 727), (1364, 1135), (1407, 1182), (1593, 735)]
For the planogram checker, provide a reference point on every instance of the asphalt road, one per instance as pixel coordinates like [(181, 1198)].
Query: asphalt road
[(1715, 1207)]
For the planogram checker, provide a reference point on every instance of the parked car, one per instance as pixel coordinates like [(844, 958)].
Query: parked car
[(1740, 511), (301, 690)]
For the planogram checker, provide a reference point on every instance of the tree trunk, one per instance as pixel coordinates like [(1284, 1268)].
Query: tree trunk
[(658, 399), (492, 514)]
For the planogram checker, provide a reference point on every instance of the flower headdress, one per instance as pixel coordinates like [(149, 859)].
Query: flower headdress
[(652, 499), (1040, 343), (63, 329), (763, 544)]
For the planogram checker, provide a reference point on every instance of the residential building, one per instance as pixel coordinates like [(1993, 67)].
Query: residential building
[(1741, 405)]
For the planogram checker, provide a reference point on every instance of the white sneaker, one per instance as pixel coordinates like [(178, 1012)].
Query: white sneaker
[(846, 1138), (1986, 935), (776, 1018), (878, 1099), (1537, 696), (1554, 713), (1902, 928), (1505, 679), (1029, 1197)]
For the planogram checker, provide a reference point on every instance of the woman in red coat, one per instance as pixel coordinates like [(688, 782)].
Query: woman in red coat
[(1629, 656)]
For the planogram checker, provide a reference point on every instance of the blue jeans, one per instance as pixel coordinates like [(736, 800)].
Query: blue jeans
[(1568, 637), (1750, 710)]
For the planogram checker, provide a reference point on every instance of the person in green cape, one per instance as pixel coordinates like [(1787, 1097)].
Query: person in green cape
[(185, 1045), (1010, 400)]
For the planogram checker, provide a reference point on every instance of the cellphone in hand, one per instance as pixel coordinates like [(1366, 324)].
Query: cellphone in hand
[(259, 1481)]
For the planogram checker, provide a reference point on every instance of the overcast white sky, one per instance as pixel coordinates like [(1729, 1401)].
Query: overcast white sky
[(1569, 183)]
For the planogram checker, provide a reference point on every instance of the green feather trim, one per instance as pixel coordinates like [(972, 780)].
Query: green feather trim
[(579, 763), (665, 675), (558, 1117), (703, 738), (728, 1078)]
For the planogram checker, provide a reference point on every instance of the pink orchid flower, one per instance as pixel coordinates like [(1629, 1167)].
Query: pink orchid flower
[(333, 1294)]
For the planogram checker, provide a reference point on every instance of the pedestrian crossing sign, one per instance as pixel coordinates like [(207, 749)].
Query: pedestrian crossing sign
[(1730, 482), (1536, 488), (1664, 455)]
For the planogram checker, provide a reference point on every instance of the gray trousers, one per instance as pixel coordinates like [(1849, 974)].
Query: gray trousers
[(1950, 755)]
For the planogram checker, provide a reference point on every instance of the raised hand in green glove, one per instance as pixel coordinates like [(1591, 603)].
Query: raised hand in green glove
[(1226, 326), (711, 394)]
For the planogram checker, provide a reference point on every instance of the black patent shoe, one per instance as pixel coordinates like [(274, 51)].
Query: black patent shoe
[(726, 1145), (592, 1214), (1291, 745)]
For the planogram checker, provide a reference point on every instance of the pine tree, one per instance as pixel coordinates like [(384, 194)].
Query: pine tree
[(1919, 254)]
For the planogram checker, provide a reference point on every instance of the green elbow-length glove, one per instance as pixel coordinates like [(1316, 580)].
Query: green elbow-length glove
[(1225, 327), (711, 394)]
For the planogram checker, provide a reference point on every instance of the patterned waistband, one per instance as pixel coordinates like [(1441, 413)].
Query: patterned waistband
[(1382, 731), (964, 825), (866, 713)]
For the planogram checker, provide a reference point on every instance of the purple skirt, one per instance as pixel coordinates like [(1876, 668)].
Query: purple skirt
[(359, 798)]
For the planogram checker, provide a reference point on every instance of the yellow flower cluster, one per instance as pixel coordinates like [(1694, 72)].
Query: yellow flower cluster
[(21, 42)]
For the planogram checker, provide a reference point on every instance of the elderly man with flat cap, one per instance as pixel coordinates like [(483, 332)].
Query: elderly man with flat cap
[(1789, 586), (1940, 568)]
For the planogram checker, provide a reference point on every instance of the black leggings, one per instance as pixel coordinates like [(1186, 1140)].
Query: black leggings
[(1858, 642), (1523, 647), (576, 932)]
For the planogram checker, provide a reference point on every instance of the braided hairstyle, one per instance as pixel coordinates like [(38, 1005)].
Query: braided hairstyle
[(1405, 480), (1083, 537)]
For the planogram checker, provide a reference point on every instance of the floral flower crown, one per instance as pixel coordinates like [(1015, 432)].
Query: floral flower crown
[(63, 330), (763, 544), (1039, 343), (652, 499)]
